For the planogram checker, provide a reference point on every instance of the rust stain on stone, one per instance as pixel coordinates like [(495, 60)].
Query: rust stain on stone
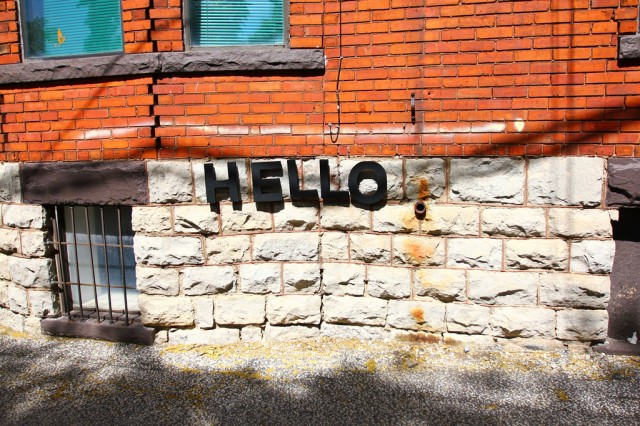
[(417, 252), (418, 314), (423, 189)]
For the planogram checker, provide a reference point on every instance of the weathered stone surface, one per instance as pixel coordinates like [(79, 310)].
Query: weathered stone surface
[(24, 216), (218, 336), (425, 178), (451, 220), (251, 334), (311, 174), (335, 246), (446, 285), (518, 344), (394, 175), (468, 341), (31, 273), (43, 303), (165, 251), (303, 217), (228, 249), (537, 254), (370, 248), (5, 272), (389, 283), (416, 315), (34, 243), (339, 331), (18, 300), (592, 256), (286, 247), (260, 278), (292, 332), (10, 190), (574, 223), (85, 182), (487, 180), (239, 310), (566, 180), (169, 181), (574, 290), (469, 319), (248, 219), (9, 240), (629, 47), (343, 278), (343, 218), (203, 312), (522, 222), (195, 220), (12, 320), (4, 296), (158, 281), (503, 288), (204, 280), (485, 253), (166, 311), (220, 167), (584, 325), (523, 322), (151, 219), (354, 310), (293, 309), (395, 218), (418, 251), (301, 277), (624, 180)]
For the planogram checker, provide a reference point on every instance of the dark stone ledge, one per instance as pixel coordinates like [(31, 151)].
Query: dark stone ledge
[(629, 47), (623, 189), (216, 61), (85, 183), (89, 329)]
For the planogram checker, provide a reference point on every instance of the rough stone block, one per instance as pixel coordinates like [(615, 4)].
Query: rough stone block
[(537, 254), (469, 319), (43, 303), (451, 220), (446, 285), (169, 181), (503, 288), (624, 180), (11, 320), (151, 219), (515, 222), (395, 218), (339, 331), (228, 249), (389, 283), (370, 248), (24, 216), (354, 310), (574, 290), (341, 218), (34, 243), (301, 217), (311, 174), (216, 337), (416, 315), (418, 251), (394, 176), (487, 180), (166, 311), (4, 295), (291, 332), (260, 278), (195, 220), (203, 312), (584, 325), (251, 334), (18, 300), (9, 240), (5, 272), (239, 310), (574, 223), (425, 178), (10, 190), (205, 280), (485, 253), (343, 279), (334, 246), (523, 322), (31, 273), (301, 277), (286, 247), (566, 181), (221, 170), (248, 219), (592, 256), (159, 281), (293, 309), (168, 251)]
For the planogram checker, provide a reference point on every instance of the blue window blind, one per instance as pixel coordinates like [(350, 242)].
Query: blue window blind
[(236, 22), (55, 28)]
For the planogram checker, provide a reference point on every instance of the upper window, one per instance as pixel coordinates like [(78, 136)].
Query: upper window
[(55, 28), (235, 22)]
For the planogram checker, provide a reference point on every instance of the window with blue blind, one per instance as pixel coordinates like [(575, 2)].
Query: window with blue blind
[(58, 28), (235, 22)]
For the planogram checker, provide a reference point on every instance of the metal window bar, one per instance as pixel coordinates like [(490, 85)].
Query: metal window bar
[(69, 243)]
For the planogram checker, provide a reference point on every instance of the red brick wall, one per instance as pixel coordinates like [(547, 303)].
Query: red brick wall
[(489, 78)]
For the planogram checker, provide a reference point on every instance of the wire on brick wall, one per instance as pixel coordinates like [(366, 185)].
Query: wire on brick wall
[(334, 136)]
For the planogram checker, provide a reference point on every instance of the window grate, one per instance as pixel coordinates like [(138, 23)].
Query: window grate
[(95, 263)]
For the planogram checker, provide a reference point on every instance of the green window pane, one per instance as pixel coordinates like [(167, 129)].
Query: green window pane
[(236, 22), (71, 27)]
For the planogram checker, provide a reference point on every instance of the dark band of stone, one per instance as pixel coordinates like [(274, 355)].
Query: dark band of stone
[(623, 189), (85, 183), (629, 47), (215, 61)]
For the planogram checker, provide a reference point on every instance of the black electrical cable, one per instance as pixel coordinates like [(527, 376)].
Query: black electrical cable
[(334, 136)]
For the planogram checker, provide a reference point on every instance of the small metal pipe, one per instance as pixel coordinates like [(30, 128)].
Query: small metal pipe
[(420, 209), (413, 108)]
